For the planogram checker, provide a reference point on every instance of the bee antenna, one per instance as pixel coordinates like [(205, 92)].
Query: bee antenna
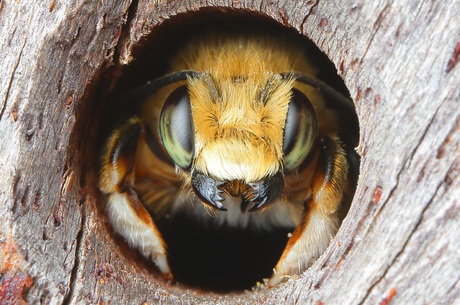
[(271, 80), (152, 86), (319, 84)]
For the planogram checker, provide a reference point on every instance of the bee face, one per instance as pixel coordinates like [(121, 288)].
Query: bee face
[(247, 130), (238, 127)]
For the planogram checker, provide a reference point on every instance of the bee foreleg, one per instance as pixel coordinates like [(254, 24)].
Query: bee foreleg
[(125, 211), (320, 220)]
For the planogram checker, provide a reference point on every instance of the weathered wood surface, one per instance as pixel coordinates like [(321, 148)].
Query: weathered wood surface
[(399, 243)]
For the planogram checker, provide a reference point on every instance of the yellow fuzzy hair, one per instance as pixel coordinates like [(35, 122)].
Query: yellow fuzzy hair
[(239, 136)]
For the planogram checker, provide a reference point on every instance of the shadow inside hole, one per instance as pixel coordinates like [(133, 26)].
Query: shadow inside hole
[(219, 259)]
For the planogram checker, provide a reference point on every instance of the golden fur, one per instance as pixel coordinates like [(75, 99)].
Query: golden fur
[(239, 128), (239, 111)]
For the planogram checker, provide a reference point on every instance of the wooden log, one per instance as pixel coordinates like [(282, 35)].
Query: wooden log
[(399, 243)]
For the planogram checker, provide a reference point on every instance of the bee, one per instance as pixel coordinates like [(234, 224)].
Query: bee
[(236, 134)]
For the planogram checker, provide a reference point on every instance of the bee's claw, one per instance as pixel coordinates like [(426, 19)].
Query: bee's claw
[(208, 190), (266, 191), (258, 204)]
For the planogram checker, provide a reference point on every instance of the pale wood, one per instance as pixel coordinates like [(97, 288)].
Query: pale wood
[(399, 243)]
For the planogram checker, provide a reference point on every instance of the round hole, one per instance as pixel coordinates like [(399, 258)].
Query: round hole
[(220, 258)]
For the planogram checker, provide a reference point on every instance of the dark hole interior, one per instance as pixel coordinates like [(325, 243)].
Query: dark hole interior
[(221, 259)]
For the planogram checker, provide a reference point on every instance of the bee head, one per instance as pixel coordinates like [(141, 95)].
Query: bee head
[(233, 130)]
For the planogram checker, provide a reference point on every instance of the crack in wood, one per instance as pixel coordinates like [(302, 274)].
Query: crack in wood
[(124, 39), (401, 251), (78, 251), (68, 175), (422, 3), (315, 4), (425, 131), (261, 3), (454, 287), (404, 176), (8, 88), (377, 26), (406, 164)]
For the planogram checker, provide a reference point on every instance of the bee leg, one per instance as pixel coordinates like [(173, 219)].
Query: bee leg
[(125, 211), (320, 219)]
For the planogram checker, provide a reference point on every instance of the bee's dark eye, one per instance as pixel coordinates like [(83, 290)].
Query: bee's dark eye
[(176, 127), (299, 131)]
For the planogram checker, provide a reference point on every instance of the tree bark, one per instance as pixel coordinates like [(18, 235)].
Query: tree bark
[(399, 243)]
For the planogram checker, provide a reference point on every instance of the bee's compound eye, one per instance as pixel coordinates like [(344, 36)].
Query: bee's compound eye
[(299, 130), (176, 127)]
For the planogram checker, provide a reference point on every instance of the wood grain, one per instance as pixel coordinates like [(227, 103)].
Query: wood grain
[(399, 243)]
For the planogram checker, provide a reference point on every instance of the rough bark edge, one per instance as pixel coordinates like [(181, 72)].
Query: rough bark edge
[(381, 190)]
